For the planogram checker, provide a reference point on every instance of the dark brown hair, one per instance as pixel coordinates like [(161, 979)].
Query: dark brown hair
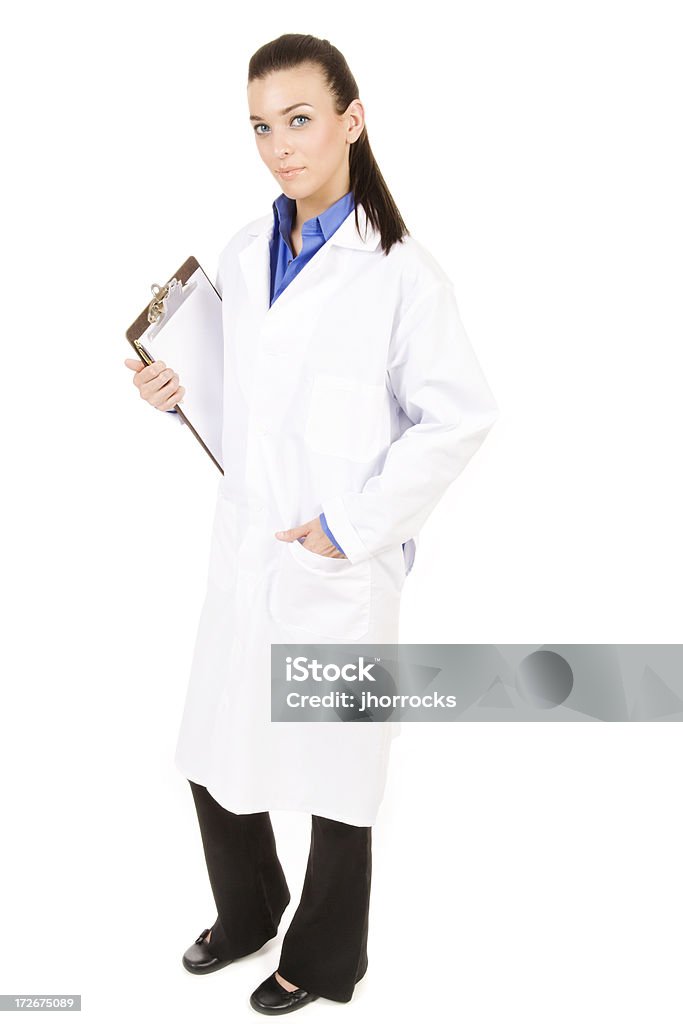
[(367, 184)]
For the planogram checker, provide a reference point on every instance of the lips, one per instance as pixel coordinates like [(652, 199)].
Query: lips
[(290, 172)]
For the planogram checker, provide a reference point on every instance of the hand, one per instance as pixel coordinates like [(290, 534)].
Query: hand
[(157, 384), (316, 538)]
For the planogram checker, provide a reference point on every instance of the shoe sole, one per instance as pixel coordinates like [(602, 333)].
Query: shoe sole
[(289, 1009), (206, 970)]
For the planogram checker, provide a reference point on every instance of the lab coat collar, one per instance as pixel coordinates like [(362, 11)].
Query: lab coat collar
[(254, 259), (346, 236)]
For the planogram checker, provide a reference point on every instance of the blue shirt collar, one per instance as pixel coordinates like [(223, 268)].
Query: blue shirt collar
[(326, 223)]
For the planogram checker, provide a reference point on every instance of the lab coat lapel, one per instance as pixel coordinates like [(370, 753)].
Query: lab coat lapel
[(255, 260), (255, 264), (271, 355)]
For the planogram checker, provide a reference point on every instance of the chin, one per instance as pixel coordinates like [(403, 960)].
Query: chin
[(295, 185), (293, 193)]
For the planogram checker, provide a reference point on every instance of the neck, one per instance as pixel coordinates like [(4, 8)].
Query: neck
[(315, 204)]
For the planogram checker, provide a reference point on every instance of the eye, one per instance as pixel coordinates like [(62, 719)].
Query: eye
[(297, 117)]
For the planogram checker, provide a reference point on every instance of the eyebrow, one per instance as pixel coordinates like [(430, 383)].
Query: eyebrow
[(257, 117)]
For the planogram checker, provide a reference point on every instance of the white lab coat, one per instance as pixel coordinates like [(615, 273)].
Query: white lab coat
[(356, 393)]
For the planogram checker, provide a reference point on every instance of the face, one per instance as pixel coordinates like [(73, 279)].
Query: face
[(295, 126)]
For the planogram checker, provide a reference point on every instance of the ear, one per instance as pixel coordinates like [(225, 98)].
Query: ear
[(355, 115)]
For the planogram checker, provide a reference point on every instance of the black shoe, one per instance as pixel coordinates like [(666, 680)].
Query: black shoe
[(198, 959), (271, 997)]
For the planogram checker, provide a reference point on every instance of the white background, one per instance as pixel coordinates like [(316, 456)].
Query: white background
[(520, 871)]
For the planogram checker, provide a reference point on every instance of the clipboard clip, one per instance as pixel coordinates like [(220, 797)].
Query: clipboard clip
[(155, 310)]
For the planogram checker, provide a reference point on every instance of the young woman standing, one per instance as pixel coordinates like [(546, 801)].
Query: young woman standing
[(352, 400)]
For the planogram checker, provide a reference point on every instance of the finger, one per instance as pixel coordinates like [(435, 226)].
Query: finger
[(151, 372), (174, 399), (153, 390), (294, 533), (324, 547), (134, 364), (166, 397)]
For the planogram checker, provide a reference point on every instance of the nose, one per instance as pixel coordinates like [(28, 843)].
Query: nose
[(282, 147)]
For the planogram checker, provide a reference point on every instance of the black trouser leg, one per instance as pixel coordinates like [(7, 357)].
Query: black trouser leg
[(325, 948), (246, 876)]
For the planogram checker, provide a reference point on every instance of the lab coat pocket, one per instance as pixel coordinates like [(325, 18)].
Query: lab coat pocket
[(347, 417), (322, 595)]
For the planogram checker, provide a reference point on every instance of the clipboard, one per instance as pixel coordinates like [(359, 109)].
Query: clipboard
[(183, 327)]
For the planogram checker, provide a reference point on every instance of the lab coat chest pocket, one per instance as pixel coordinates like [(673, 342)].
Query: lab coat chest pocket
[(347, 418), (322, 595)]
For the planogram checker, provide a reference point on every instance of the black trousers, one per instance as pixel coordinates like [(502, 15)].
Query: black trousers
[(325, 947)]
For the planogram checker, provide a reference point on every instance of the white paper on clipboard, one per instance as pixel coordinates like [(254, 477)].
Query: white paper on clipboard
[(188, 337)]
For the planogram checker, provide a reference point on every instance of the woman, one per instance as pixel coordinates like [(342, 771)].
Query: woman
[(352, 399)]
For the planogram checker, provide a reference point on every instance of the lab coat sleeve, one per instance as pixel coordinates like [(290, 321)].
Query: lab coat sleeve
[(438, 382)]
